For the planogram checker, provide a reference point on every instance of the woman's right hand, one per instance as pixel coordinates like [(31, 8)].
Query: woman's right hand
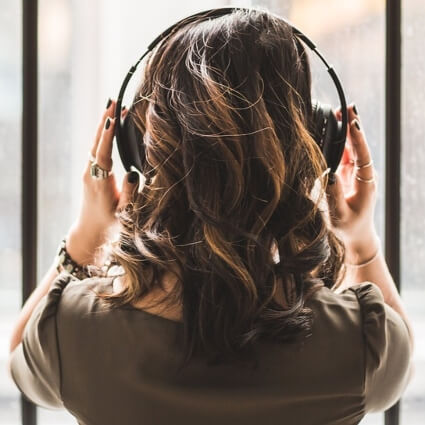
[(352, 201)]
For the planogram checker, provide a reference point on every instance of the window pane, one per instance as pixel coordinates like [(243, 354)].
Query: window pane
[(10, 199), (413, 200)]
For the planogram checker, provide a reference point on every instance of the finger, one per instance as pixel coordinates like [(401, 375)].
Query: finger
[(346, 166), (338, 114), (363, 156), (129, 189), (335, 196), (104, 148), (352, 112), (347, 156), (351, 115), (109, 112), (124, 110), (361, 149)]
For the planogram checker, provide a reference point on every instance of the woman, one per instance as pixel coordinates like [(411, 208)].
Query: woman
[(241, 298)]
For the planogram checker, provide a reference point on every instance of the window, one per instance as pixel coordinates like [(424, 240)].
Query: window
[(413, 199), (86, 49), (10, 199)]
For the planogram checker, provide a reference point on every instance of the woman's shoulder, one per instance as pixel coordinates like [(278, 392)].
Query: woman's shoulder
[(54, 319), (358, 308), (80, 294), (364, 303), (75, 299), (74, 286), (384, 338), (67, 289), (360, 296), (340, 299)]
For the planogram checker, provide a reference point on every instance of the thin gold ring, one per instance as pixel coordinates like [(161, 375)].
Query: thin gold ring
[(369, 164), (365, 180)]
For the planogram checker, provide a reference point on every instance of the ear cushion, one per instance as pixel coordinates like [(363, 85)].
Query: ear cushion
[(326, 131), (130, 144), (318, 121)]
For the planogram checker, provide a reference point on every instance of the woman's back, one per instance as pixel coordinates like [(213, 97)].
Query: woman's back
[(121, 366)]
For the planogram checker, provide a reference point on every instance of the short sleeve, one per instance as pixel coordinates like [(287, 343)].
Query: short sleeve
[(387, 349), (35, 362)]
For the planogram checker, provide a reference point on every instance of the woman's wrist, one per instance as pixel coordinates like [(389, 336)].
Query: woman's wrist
[(363, 250), (81, 246)]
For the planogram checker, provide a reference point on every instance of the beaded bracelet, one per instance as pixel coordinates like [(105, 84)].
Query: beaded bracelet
[(63, 261)]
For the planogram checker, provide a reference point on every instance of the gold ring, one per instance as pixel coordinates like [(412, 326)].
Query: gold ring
[(369, 164), (365, 180), (98, 172)]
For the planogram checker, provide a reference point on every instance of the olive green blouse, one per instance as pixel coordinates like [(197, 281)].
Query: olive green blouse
[(119, 367)]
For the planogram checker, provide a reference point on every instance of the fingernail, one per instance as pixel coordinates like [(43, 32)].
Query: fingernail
[(107, 123), (357, 124), (109, 103), (122, 109), (133, 177), (331, 178), (355, 109)]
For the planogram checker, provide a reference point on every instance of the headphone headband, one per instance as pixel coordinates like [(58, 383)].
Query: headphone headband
[(215, 13)]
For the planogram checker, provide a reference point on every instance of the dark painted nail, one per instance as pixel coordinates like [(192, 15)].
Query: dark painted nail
[(133, 177), (357, 124), (122, 109), (107, 123), (109, 103), (331, 178), (355, 110)]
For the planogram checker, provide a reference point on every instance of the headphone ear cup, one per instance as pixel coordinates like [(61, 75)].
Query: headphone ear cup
[(327, 133), (317, 123), (130, 144)]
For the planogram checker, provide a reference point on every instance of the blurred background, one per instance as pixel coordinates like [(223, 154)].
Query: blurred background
[(85, 51)]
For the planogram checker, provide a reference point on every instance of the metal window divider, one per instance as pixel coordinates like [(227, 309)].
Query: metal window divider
[(392, 155), (29, 158)]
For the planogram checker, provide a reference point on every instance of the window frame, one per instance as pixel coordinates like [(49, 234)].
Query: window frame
[(29, 141), (392, 154), (29, 152)]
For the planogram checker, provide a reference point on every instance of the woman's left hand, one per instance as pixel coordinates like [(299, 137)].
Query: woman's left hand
[(101, 197)]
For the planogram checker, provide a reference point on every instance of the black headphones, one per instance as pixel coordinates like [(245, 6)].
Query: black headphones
[(327, 131)]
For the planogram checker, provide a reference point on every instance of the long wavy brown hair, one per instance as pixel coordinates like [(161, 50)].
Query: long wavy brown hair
[(224, 108)]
